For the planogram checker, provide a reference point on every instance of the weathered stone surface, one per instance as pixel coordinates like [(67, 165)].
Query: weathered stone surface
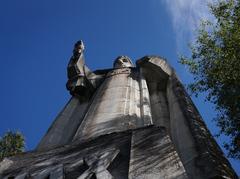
[(105, 156), (5, 164), (153, 156), (65, 125), (181, 133), (203, 155), (108, 156), (199, 153), (121, 103), (125, 122)]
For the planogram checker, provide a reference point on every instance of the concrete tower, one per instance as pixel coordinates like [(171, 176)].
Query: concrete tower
[(129, 121)]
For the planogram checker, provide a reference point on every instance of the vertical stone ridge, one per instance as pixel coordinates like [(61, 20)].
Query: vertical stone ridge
[(145, 101), (153, 156), (211, 159)]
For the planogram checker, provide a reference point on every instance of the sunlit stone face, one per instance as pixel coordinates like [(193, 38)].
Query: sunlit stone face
[(122, 61)]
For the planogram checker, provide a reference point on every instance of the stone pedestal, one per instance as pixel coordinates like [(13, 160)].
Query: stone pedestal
[(125, 122)]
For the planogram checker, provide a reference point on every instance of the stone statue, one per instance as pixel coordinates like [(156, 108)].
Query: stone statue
[(124, 122)]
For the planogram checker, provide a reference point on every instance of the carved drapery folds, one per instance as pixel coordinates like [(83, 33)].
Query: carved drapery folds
[(125, 122)]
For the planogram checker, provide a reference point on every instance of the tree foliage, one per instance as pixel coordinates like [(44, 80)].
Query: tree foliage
[(215, 65), (11, 143)]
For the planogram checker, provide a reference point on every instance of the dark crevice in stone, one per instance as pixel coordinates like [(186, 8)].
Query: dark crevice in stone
[(120, 165), (78, 171)]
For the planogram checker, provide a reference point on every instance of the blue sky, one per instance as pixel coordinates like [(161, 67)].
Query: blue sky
[(37, 37)]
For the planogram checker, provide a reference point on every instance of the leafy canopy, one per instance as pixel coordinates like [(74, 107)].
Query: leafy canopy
[(11, 143), (215, 65)]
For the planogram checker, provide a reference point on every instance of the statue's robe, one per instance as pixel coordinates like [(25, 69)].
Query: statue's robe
[(117, 105), (138, 123)]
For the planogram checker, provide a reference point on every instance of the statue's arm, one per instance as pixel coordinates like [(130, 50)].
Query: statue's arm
[(81, 80)]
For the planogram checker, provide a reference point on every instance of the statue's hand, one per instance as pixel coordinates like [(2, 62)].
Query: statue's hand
[(78, 48), (78, 83), (77, 63)]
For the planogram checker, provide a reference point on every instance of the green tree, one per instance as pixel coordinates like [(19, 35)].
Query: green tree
[(11, 143), (215, 65)]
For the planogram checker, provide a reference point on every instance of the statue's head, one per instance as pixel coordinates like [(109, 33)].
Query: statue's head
[(122, 61)]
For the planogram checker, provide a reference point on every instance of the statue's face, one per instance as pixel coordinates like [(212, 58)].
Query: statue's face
[(122, 62)]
